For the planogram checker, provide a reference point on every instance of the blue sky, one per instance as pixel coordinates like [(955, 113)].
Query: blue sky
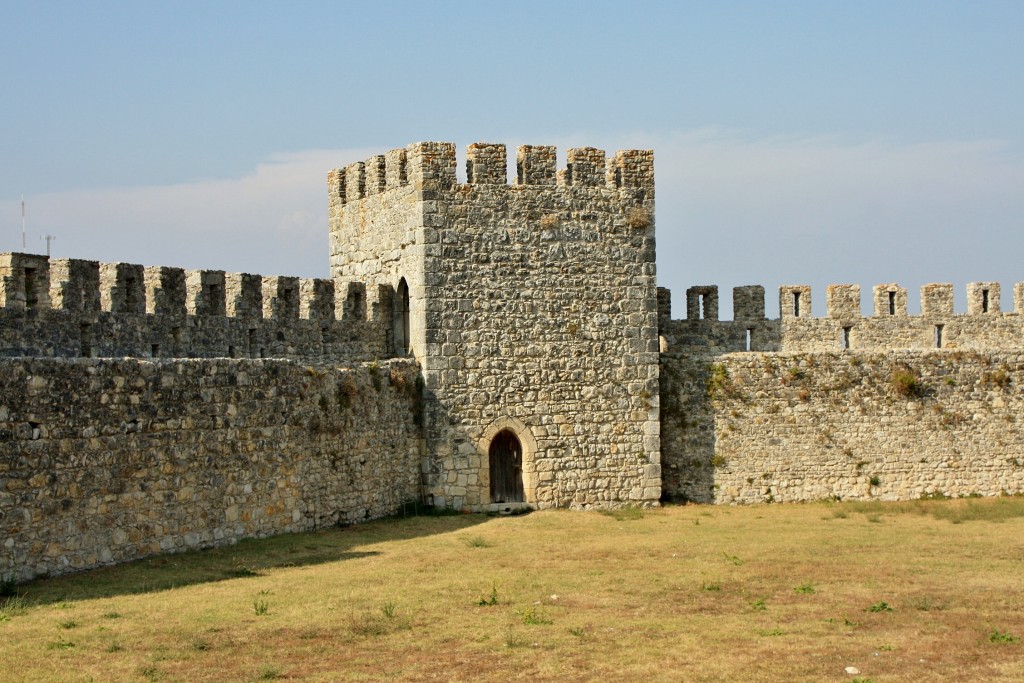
[(795, 142)]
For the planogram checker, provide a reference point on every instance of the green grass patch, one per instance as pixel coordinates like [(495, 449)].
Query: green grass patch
[(625, 514), (956, 511)]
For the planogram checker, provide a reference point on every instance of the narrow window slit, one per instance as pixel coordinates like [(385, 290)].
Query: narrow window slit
[(85, 349), (892, 303), (796, 304), (400, 320), (355, 304), (938, 336), (846, 338), (984, 301), (750, 335)]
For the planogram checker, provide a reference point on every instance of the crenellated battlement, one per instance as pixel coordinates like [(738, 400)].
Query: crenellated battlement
[(362, 179), (34, 282), (25, 282), (72, 307), (844, 301), (845, 327), (431, 166)]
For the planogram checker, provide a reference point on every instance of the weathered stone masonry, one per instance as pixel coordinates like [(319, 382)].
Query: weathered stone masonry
[(106, 460), (73, 308), (531, 306), (890, 406), (480, 345)]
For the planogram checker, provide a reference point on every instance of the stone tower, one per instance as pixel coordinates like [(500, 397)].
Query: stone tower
[(531, 308)]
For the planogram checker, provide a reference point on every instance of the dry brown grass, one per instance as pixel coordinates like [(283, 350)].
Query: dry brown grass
[(684, 593)]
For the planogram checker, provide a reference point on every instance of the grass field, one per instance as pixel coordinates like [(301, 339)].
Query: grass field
[(922, 591)]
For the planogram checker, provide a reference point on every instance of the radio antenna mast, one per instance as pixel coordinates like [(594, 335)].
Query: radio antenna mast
[(48, 238)]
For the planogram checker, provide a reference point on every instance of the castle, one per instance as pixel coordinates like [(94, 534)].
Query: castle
[(482, 346)]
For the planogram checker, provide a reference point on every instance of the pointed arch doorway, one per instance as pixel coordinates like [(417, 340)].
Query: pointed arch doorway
[(506, 468), (508, 463)]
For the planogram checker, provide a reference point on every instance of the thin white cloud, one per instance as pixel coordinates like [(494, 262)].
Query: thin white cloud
[(272, 220), (734, 210)]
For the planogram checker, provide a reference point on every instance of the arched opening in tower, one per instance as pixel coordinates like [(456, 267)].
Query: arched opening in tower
[(506, 466), (401, 319)]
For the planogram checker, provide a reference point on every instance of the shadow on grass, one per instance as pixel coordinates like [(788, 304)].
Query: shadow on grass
[(246, 559)]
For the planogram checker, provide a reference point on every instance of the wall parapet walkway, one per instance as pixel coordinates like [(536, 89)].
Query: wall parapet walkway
[(74, 308), (984, 325)]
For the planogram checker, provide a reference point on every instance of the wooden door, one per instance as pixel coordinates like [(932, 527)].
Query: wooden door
[(506, 460)]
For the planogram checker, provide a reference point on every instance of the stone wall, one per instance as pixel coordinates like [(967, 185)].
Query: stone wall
[(107, 460), (983, 326), (687, 428), (73, 308), (763, 427), (804, 408), (378, 237), (541, 318)]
